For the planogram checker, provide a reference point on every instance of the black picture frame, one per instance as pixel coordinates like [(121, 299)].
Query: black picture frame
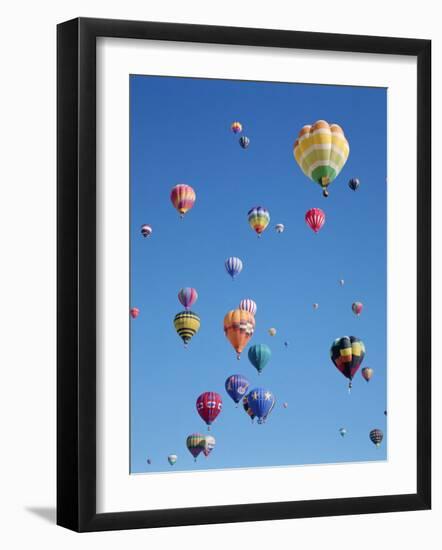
[(76, 274)]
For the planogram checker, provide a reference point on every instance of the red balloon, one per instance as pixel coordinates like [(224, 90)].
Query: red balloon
[(315, 218), (134, 312), (209, 405)]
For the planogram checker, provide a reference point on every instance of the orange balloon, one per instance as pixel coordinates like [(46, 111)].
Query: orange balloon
[(239, 326)]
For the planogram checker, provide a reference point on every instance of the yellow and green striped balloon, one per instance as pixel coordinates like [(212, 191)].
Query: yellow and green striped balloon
[(321, 151)]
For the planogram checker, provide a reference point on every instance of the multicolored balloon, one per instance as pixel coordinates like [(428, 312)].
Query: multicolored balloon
[(259, 355), (187, 324), (236, 127), (315, 219), (209, 405), (357, 308), (187, 296), (259, 218), (376, 436), (208, 444), (233, 266), (239, 326), (134, 312), (237, 386), (321, 152), (195, 444), (279, 228), (245, 404), (183, 198), (172, 459), (248, 305), (347, 354), (272, 331), (261, 401), (244, 141), (146, 230), (354, 184), (342, 431), (367, 373)]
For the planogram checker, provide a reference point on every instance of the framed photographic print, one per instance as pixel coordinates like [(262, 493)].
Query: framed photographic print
[(243, 274)]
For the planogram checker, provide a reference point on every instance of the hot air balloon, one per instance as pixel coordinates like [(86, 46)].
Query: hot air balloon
[(286, 344), (183, 198), (245, 404), (149, 461), (272, 331), (261, 402), (285, 405), (187, 324), (248, 305), (342, 431), (195, 444), (172, 459), (259, 218), (146, 230), (233, 266), (187, 296), (279, 228), (354, 184), (236, 386), (239, 326), (259, 355), (321, 151), (347, 353), (357, 308), (376, 436), (244, 141), (208, 444), (236, 127), (209, 405), (134, 312), (315, 306), (341, 282), (367, 373), (385, 413), (315, 218)]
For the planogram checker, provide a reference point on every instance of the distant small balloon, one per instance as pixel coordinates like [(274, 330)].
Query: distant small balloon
[(342, 431), (285, 405), (341, 282), (172, 459), (315, 219), (367, 373), (286, 344), (315, 306), (357, 308), (244, 141), (236, 127), (233, 266), (146, 230), (376, 436), (134, 312), (149, 461), (279, 228), (354, 184), (272, 331), (248, 305)]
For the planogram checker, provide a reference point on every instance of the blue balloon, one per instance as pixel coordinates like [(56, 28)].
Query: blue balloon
[(261, 403), (233, 266), (354, 184), (237, 386), (244, 141)]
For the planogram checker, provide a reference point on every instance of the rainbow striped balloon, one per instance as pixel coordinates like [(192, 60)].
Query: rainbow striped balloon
[(259, 218), (183, 198), (321, 151)]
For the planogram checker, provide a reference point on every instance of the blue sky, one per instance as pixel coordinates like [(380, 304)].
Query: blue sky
[(180, 133)]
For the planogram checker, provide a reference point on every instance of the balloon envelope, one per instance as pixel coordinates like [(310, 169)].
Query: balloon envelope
[(321, 152), (172, 459), (208, 444), (261, 401), (209, 405), (279, 228), (248, 305), (354, 184), (259, 218), (187, 296), (259, 355), (367, 373), (233, 266), (237, 386), (195, 444), (187, 324), (347, 354), (146, 230), (357, 308), (134, 312), (315, 219), (244, 141), (376, 436), (236, 127), (183, 198), (272, 331), (239, 326)]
